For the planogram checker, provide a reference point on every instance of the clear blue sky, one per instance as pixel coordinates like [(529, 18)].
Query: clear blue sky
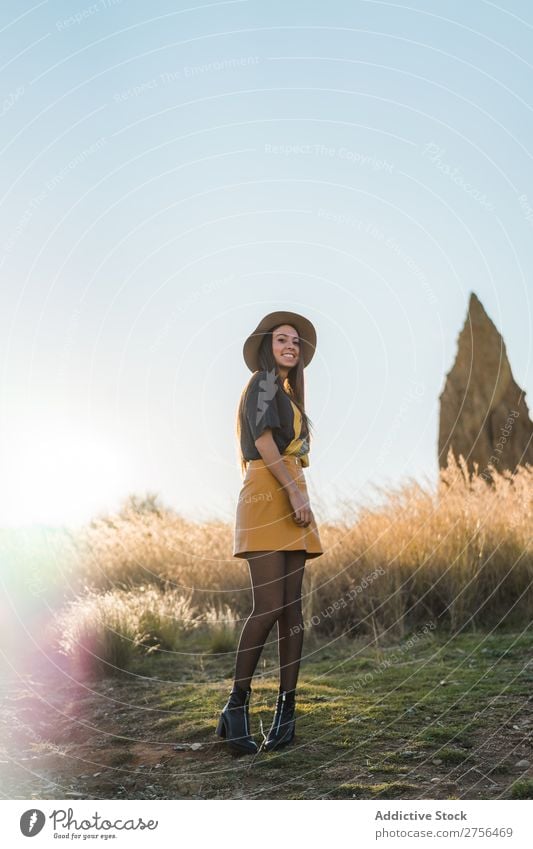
[(170, 176)]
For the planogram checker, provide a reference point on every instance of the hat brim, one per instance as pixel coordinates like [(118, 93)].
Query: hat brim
[(306, 332)]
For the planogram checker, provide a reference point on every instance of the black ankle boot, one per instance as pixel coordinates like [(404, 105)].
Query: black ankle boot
[(234, 722), (283, 725)]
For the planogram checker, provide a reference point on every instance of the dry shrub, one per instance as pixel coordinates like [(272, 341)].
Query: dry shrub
[(101, 632), (139, 546)]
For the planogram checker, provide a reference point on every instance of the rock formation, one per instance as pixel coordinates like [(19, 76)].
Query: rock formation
[(483, 412)]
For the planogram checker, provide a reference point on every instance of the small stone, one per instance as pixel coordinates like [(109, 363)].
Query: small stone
[(435, 780), (437, 761), (523, 764), (196, 746)]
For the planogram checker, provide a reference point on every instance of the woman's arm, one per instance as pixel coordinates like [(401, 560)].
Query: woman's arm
[(269, 452)]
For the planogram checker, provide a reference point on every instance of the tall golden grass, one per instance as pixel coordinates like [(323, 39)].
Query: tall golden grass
[(460, 555)]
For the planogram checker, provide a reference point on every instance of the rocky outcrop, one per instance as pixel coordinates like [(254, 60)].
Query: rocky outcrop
[(483, 411)]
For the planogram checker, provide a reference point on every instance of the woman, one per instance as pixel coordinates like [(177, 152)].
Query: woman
[(275, 530)]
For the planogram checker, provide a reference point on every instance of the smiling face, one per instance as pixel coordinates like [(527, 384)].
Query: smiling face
[(285, 347)]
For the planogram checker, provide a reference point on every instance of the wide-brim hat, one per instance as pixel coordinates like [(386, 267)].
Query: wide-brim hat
[(306, 332)]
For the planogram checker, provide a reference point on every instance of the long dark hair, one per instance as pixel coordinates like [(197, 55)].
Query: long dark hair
[(293, 386)]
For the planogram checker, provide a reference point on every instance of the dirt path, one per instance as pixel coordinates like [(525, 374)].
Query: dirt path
[(406, 735)]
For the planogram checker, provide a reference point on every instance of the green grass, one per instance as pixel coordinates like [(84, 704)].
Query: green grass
[(522, 789), (447, 734), (452, 756)]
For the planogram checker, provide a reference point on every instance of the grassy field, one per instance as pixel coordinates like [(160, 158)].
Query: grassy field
[(119, 643), (432, 717), (461, 556)]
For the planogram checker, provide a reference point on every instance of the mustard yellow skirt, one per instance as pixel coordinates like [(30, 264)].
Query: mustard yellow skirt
[(264, 513)]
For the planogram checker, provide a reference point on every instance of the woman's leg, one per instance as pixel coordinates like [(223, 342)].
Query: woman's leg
[(267, 572), (290, 623)]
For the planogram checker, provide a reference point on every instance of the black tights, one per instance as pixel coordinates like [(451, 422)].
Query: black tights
[(277, 597)]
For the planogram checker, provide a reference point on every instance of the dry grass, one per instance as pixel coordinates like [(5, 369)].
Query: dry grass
[(461, 555), (100, 632)]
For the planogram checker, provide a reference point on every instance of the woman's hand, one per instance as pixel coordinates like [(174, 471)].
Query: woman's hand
[(302, 509)]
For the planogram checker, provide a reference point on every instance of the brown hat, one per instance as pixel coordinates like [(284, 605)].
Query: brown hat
[(306, 332)]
